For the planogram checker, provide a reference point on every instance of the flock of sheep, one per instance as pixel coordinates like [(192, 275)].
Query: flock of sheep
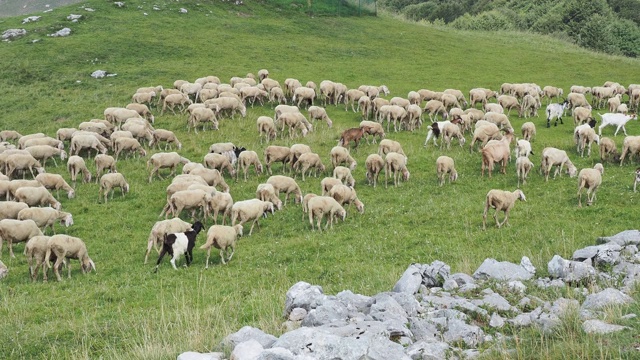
[(201, 187)]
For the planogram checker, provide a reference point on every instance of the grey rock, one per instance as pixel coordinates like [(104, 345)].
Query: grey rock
[(629, 251), (423, 330), (462, 279), (526, 263), (247, 350), (547, 322), (410, 280), (517, 286), (470, 354), (331, 310), (428, 350), (291, 325), (387, 308), (608, 254), (303, 295), (502, 271), (497, 302), (61, 33), (467, 287), (449, 314), (297, 314), (408, 302), (487, 291), (524, 302), (570, 271), (628, 237), (191, 355), (450, 284), (628, 316), (496, 321), (435, 274), (561, 307), (458, 330), (276, 354), (521, 320), (605, 298), (30, 19), (249, 333), (601, 327), (355, 302), (10, 34)]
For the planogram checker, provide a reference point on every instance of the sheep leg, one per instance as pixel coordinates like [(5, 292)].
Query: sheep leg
[(310, 221), (252, 225), (233, 250), (56, 267)]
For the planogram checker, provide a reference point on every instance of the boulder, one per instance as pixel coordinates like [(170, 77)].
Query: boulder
[(608, 254), (458, 330), (61, 33), (435, 274), (190, 355), (330, 311), (303, 295), (570, 271), (502, 271), (11, 34), (410, 280), (249, 333), (605, 298), (247, 350), (428, 350), (628, 237), (601, 327), (276, 354)]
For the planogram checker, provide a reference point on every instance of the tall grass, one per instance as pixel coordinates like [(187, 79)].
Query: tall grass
[(126, 311)]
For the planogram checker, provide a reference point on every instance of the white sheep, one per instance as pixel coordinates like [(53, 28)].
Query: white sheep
[(130, 145), (212, 177), (287, 185), (346, 195), (485, 133), (222, 237), (509, 102), (221, 202), (160, 228), (501, 200), (202, 115), (523, 167), (327, 183), (110, 181), (35, 251), (25, 138), (293, 121), (530, 106), (46, 216), (220, 162), (9, 135), (99, 127), (85, 141), (590, 179), (263, 74), (266, 128), (319, 113), (499, 119), (22, 162), (556, 157), (496, 151), (14, 185), (373, 129), (266, 192), (395, 164), (68, 247), (607, 147), (245, 160), (303, 93), (631, 146), (319, 206), (228, 104), (173, 100), (343, 174), (220, 148), (55, 182), (340, 155), (435, 107), (396, 113), (374, 164), (36, 196), (523, 148), (64, 134), (576, 99), (43, 152), (444, 166), (376, 104), (276, 95), (142, 110), (253, 93), (551, 92), (449, 131), (10, 209), (250, 210), (528, 130), (191, 199), (351, 97), (75, 166), (617, 120), (586, 136), (165, 160), (42, 141), (15, 231), (493, 107), (308, 161), (387, 146)]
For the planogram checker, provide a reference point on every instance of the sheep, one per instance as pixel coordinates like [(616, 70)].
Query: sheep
[(28, 137), (36, 196), (15, 231), (631, 146), (202, 115), (435, 107), (130, 145), (501, 200), (160, 228), (293, 121), (266, 127), (523, 167), (581, 115), (320, 206), (499, 119), (140, 129), (496, 151), (253, 93), (68, 247), (221, 202), (480, 95), (220, 162), (341, 155), (192, 198), (80, 142), (226, 103), (492, 107), (374, 164), (76, 165), (636, 179), (142, 111), (388, 145), (305, 203), (376, 104), (364, 104), (327, 183), (444, 166), (601, 94), (36, 250), (622, 109), (119, 115), (285, 184), (449, 131), (277, 95), (551, 92), (110, 181), (250, 210), (346, 195), (45, 217), (165, 160), (222, 237), (553, 157), (576, 99), (9, 135), (436, 129), (352, 134), (273, 153), (303, 93), (615, 119), (523, 148), (607, 147), (509, 102), (96, 127), (283, 109), (319, 113), (46, 140), (580, 89), (484, 133), (308, 161), (296, 150), (530, 106), (245, 160), (22, 162), (44, 152), (173, 100), (266, 192), (291, 85), (528, 130), (343, 174), (10, 209), (212, 177), (64, 134), (397, 113), (372, 128), (591, 180), (352, 96), (586, 137), (395, 164), (55, 182), (263, 74), (614, 102)]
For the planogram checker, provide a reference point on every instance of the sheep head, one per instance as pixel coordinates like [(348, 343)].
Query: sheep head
[(405, 174), (88, 265), (453, 176), (359, 206), (71, 194), (67, 220), (238, 228), (520, 195)]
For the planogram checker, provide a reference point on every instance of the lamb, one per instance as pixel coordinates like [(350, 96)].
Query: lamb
[(309, 161), (55, 182), (131, 145), (614, 102), (615, 119), (165, 160), (341, 155), (285, 184), (245, 160), (386, 146), (266, 127), (444, 166), (591, 180), (104, 162), (15, 231), (374, 164), (523, 148), (10, 209), (528, 130), (22, 162), (552, 157), (343, 174), (46, 217), (327, 183), (68, 247), (9, 135), (266, 192), (607, 147), (631, 146), (395, 164), (180, 243), (352, 134), (273, 153), (496, 151), (43, 152), (212, 177), (555, 111), (80, 142), (622, 109), (320, 206), (75, 166), (222, 237), (372, 128), (346, 195), (173, 100), (110, 181), (36, 196), (586, 137), (220, 162), (250, 210), (501, 200), (202, 115), (523, 167), (160, 228)]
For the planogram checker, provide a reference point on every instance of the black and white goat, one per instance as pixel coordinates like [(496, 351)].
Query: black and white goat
[(177, 244), (555, 111)]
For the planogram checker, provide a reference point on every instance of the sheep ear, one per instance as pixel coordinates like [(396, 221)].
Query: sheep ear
[(93, 266)]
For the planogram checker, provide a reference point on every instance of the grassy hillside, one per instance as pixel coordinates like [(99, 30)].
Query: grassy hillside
[(126, 311)]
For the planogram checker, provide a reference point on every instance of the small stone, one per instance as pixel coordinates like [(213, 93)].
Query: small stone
[(600, 327)]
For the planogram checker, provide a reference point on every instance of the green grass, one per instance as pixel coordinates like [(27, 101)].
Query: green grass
[(126, 311)]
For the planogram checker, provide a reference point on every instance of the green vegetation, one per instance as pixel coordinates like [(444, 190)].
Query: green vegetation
[(125, 311)]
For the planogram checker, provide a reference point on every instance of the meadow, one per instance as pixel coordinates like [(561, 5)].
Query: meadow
[(124, 310)]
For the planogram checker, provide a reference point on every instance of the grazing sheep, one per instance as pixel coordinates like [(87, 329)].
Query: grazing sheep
[(10, 209), (496, 151), (509, 102), (376, 104), (352, 134), (607, 147), (499, 119), (523, 148), (25, 138), (343, 174), (100, 128), (293, 121), (120, 115), (245, 160), (46, 217), (327, 183), (250, 210), (576, 99), (212, 177), (614, 102), (46, 140), (35, 251), (15, 231), (320, 206), (165, 160), (372, 128), (436, 129), (556, 157), (22, 162), (591, 180), (435, 107), (395, 164), (220, 162), (202, 115), (374, 164), (283, 109), (36, 196), (55, 182), (530, 106), (551, 92), (173, 100), (414, 117), (104, 162), (491, 107), (397, 113), (303, 93), (221, 202), (364, 104), (142, 110), (160, 228), (346, 195), (228, 104), (296, 151), (89, 142), (523, 167), (449, 131), (75, 166), (622, 109), (140, 129), (341, 155), (484, 133), (266, 127), (501, 200), (352, 96), (308, 161), (285, 184), (9, 135), (444, 166), (130, 145), (42, 153), (586, 137), (110, 181), (253, 93), (180, 243), (13, 185), (617, 120), (528, 130), (305, 203), (277, 95), (68, 247), (631, 146), (319, 113), (386, 146), (222, 237), (263, 74), (266, 192)]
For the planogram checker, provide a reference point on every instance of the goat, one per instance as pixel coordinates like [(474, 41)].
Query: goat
[(618, 120), (177, 244), (555, 111), (353, 134)]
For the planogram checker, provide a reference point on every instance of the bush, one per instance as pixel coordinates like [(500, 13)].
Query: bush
[(487, 21)]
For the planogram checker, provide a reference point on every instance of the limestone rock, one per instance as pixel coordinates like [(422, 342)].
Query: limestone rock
[(303, 295), (628, 237), (410, 281), (606, 297), (601, 327), (502, 271), (570, 271), (249, 333)]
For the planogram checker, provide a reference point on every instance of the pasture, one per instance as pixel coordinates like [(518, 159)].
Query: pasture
[(126, 311)]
